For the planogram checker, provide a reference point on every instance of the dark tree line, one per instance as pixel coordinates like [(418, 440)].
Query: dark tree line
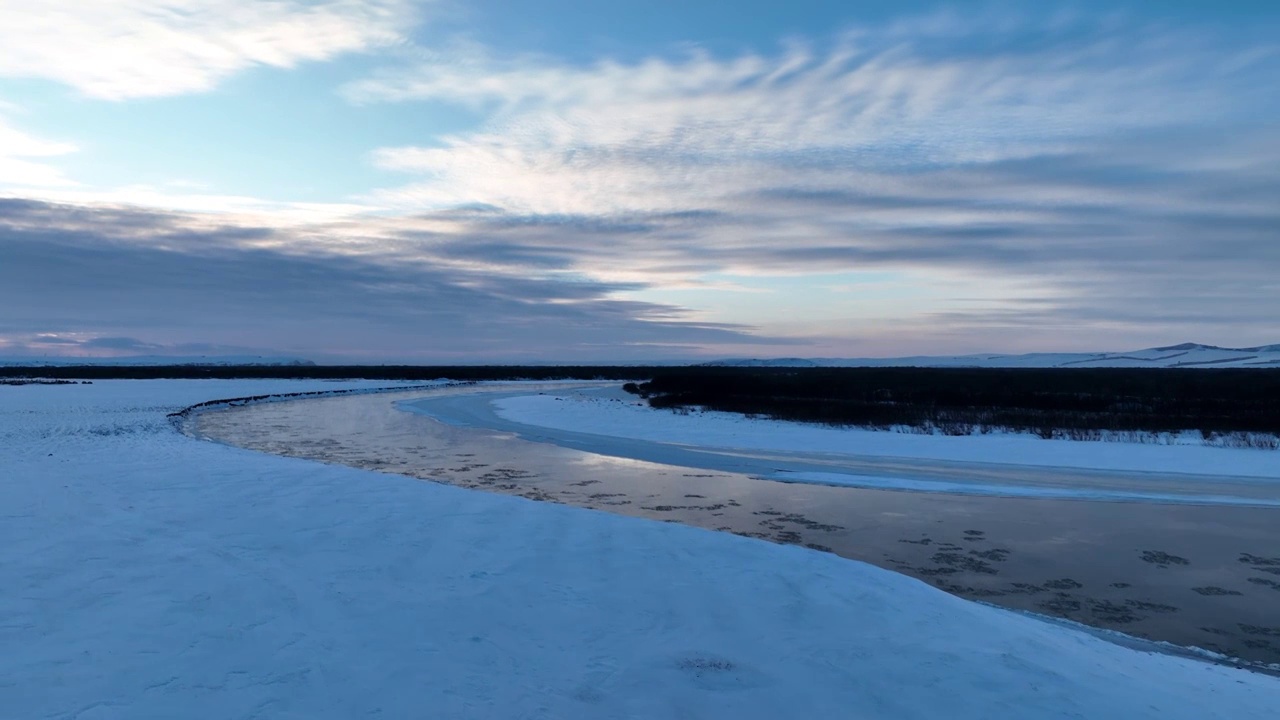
[(966, 400)]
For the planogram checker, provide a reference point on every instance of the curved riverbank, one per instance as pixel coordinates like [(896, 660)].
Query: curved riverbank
[(1170, 572), (607, 422)]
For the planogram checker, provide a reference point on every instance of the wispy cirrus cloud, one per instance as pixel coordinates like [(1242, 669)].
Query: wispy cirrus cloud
[(121, 49), (1032, 166), (667, 133)]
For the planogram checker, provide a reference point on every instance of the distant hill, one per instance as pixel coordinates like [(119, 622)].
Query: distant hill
[(1190, 355), (204, 360)]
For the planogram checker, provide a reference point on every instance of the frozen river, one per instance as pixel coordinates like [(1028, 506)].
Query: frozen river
[(1205, 575)]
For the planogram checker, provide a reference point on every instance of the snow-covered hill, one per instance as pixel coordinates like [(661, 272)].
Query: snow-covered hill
[(1192, 355)]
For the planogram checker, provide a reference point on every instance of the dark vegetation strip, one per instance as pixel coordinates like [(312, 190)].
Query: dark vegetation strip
[(1078, 403)]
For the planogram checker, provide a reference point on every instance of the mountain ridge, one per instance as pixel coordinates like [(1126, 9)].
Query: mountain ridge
[(1189, 355)]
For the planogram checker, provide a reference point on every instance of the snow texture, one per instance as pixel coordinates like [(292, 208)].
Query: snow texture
[(149, 575)]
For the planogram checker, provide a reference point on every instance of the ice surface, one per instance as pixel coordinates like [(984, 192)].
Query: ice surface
[(628, 417), (149, 575)]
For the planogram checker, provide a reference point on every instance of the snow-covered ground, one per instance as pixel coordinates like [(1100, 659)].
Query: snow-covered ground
[(149, 575), (617, 415), (1188, 355)]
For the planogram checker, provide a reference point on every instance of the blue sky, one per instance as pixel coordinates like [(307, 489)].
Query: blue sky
[(512, 181)]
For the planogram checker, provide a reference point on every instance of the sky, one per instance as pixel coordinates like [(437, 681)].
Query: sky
[(579, 181)]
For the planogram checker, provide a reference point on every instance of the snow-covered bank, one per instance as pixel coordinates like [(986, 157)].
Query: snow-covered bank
[(616, 415), (224, 403), (146, 574)]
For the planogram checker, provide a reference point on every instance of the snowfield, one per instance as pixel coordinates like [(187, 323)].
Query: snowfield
[(149, 575)]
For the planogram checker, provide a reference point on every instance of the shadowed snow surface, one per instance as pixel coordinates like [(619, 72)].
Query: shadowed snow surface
[(149, 575)]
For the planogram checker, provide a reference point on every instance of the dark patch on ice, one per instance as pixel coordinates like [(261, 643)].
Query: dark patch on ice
[(1259, 630), (1063, 584), (1215, 590), (1262, 564), (955, 562), (1163, 559), (994, 554), (1061, 605), (1113, 613), (1151, 606), (1265, 582), (1025, 589), (775, 519), (672, 508)]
